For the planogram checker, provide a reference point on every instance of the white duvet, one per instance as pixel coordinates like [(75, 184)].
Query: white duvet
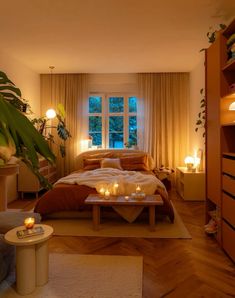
[(127, 180)]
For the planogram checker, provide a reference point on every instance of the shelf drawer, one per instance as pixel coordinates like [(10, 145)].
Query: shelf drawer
[(228, 166), (228, 184), (228, 239), (228, 205)]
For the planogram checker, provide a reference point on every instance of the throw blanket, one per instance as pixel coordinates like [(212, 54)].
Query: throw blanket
[(127, 181)]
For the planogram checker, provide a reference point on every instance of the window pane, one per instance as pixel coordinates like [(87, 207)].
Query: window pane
[(132, 103), (96, 138), (95, 124), (116, 104), (115, 140), (116, 132), (133, 130), (95, 104), (116, 124)]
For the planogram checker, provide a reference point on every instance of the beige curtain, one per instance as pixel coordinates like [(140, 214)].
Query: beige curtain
[(71, 90), (164, 100)]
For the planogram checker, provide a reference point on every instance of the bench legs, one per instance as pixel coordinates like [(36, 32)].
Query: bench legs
[(96, 217), (152, 218)]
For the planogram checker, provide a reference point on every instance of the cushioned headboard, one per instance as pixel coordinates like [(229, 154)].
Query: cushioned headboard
[(113, 153)]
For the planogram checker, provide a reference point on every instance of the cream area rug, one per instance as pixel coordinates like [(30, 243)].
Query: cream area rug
[(120, 228), (87, 276)]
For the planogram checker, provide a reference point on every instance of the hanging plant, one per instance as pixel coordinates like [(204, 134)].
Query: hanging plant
[(211, 34), (201, 119), (18, 136)]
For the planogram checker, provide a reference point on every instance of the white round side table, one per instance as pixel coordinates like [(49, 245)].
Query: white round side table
[(31, 258)]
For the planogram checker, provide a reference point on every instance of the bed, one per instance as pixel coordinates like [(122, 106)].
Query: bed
[(128, 167)]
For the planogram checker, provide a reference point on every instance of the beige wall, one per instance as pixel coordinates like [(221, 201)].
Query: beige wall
[(197, 82), (121, 82), (24, 78), (29, 83)]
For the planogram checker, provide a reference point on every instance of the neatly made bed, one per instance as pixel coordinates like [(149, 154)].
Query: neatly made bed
[(69, 193)]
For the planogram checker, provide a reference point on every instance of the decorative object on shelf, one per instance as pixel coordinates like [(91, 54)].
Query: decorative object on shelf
[(19, 137), (200, 123), (231, 48), (189, 161), (29, 222), (232, 87)]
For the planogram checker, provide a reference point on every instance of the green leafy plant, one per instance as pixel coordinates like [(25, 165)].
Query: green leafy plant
[(211, 34), (18, 136), (61, 128), (200, 122)]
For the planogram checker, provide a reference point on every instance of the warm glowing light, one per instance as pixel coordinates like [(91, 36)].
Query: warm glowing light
[(102, 191), (115, 188), (232, 106), (50, 113), (189, 161), (107, 194), (29, 222), (138, 189)]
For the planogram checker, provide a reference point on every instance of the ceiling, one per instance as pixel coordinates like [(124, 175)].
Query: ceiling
[(110, 36)]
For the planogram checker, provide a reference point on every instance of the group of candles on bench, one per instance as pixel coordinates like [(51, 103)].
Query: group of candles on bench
[(113, 190)]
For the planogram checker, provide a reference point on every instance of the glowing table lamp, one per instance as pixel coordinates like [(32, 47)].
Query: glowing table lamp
[(189, 161)]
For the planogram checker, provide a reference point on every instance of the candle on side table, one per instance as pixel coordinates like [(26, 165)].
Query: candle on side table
[(29, 222)]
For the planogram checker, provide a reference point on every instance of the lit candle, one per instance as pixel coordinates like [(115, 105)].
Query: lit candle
[(107, 194), (126, 198), (29, 222), (138, 189), (115, 189), (102, 191)]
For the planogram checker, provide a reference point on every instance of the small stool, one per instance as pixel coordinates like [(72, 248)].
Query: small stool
[(31, 258)]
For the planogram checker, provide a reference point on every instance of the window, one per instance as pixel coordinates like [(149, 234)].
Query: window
[(113, 120)]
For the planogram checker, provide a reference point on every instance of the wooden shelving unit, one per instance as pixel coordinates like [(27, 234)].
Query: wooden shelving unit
[(28, 182), (220, 141)]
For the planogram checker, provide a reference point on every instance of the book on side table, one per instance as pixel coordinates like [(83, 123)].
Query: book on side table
[(30, 232)]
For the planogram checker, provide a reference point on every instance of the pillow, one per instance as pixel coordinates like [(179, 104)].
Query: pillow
[(91, 163), (137, 163), (111, 163)]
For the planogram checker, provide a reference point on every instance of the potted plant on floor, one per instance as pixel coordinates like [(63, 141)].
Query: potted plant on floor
[(18, 136)]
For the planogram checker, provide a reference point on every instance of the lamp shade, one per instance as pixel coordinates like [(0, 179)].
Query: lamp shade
[(232, 106), (50, 113)]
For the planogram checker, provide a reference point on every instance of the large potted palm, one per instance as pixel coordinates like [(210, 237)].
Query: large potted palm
[(18, 136)]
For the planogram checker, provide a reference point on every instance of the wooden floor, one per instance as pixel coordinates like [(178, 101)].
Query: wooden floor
[(172, 267)]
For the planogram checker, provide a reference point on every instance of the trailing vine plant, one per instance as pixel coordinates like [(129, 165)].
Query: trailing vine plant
[(201, 119), (211, 34)]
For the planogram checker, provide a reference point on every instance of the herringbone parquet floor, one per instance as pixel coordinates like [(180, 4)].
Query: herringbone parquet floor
[(172, 267)]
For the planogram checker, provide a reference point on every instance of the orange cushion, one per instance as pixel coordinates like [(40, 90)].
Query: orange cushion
[(137, 163), (91, 164), (111, 163)]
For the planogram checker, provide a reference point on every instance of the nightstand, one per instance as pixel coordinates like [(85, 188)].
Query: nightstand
[(190, 185), (31, 258)]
